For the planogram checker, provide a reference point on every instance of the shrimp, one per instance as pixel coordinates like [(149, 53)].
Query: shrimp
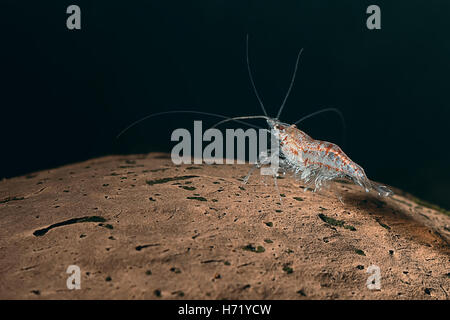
[(313, 161)]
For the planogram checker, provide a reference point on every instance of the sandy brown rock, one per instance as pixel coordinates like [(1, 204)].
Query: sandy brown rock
[(196, 232)]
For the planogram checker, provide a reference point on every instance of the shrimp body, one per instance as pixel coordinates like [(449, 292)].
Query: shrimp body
[(316, 162), (313, 161)]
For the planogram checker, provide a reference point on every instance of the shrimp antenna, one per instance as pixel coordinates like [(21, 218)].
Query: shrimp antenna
[(335, 110), (240, 118), (251, 79), (292, 83), (184, 111)]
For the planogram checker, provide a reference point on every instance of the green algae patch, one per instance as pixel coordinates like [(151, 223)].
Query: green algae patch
[(383, 225), (41, 232), (336, 223), (107, 226), (197, 198), (11, 199), (165, 180), (188, 188), (301, 292), (252, 248), (288, 269), (139, 248), (260, 249), (349, 227)]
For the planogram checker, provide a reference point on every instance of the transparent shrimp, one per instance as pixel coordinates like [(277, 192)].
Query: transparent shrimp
[(313, 161)]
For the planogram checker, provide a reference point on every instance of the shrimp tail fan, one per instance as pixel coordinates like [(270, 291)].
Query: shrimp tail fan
[(382, 190)]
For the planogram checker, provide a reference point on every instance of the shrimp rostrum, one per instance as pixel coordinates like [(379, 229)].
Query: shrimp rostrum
[(313, 161)]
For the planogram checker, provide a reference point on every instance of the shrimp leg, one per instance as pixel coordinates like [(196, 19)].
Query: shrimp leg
[(262, 160)]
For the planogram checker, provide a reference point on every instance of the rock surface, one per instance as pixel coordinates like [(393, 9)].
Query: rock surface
[(140, 227)]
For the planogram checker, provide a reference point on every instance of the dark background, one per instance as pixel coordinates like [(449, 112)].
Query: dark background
[(65, 95)]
